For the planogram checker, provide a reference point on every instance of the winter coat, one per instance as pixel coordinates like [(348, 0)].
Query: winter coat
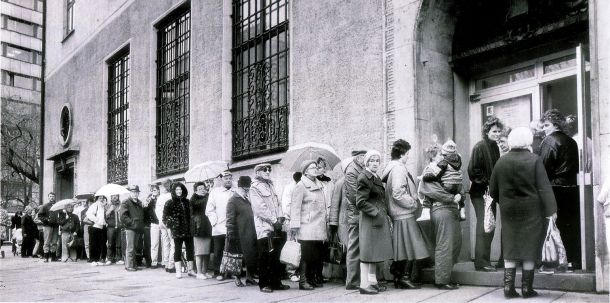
[(16, 222), (68, 222), (48, 217), (484, 156), (308, 210), (177, 213), (374, 229), (350, 185), (97, 214), (241, 233), (265, 206), (559, 153), (200, 224), (520, 185), (150, 217), (28, 227), (400, 191), (216, 210), (338, 210), (131, 215), (112, 216)]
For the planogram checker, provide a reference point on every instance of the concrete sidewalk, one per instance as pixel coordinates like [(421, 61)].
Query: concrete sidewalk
[(29, 279)]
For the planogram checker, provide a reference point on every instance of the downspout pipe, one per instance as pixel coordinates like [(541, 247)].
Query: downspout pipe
[(42, 103)]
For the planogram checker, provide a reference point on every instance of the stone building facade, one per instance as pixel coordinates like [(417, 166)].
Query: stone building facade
[(352, 74)]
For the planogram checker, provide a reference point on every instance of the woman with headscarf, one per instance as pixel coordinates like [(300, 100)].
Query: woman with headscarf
[(559, 154), (520, 185), (241, 232), (96, 213), (201, 228), (308, 224), (30, 231), (177, 217), (375, 239), (484, 156)]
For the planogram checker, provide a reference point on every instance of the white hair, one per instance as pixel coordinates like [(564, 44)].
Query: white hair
[(520, 137)]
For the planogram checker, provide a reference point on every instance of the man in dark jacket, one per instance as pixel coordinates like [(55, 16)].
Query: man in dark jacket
[(350, 185), (131, 215), (144, 241), (113, 231), (50, 229), (16, 221)]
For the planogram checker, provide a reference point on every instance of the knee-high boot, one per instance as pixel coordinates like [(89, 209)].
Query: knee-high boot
[(509, 283), (527, 289), (303, 278)]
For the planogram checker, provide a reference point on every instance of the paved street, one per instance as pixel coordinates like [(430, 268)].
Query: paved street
[(31, 280)]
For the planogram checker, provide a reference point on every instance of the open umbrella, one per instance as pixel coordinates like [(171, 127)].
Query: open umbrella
[(62, 204), (206, 170), (310, 151), (344, 163), (111, 190)]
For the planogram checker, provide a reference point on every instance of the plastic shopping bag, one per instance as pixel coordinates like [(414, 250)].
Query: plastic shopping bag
[(291, 253), (489, 221)]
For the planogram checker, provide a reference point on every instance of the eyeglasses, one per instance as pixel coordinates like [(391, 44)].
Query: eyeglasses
[(266, 169)]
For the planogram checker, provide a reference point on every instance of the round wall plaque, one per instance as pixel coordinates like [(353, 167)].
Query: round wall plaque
[(65, 124)]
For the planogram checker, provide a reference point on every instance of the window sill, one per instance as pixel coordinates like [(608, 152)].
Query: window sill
[(68, 35)]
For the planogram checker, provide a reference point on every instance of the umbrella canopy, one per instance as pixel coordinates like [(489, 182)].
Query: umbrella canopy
[(344, 163), (62, 204), (310, 151), (111, 189), (206, 170)]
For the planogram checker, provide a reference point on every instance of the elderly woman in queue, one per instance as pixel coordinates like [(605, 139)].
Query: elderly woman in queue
[(445, 219), (201, 228), (375, 238), (308, 224), (241, 233), (484, 156), (559, 154), (177, 217), (96, 213), (520, 185), (30, 232)]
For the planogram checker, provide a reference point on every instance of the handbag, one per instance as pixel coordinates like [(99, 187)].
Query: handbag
[(552, 248), (336, 251), (291, 253), (231, 263), (76, 242), (489, 221)]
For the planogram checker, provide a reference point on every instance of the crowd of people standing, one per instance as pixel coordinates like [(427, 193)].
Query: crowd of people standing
[(530, 173)]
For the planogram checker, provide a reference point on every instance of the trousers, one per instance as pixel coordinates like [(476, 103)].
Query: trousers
[(155, 239), (446, 223), (482, 246), (51, 237), (113, 236), (66, 252), (130, 247), (352, 256)]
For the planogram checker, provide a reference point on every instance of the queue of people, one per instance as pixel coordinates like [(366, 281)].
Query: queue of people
[(529, 173)]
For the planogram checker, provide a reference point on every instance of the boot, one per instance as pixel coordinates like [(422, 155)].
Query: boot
[(178, 270), (190, 265), (527, 290), (46, 257), (303, 281), (509, 283)]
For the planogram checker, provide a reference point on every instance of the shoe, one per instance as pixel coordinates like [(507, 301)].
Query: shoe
[(89, 260), (527, 281), (251, 282), (220, 278), (178, 266), (564, 268), (405, 283), (486, 269), (130, 269), (379, 287), (281, 287), (120, 262), (2, 254), (368, 291), (46, 257), (446, 286), (201, 277), (544, 270), (171, 270), (351, 287), (295, 278), (94, 264), (238, 282), (267, 289), (509, 283)]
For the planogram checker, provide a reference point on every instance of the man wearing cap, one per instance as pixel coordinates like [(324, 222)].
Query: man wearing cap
[(350, 186), (268, 221), (216, 210), (132, 218)]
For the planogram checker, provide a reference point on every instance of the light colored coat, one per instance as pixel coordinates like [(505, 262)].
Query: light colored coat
[(216, 210), (400, 191), (265, 207), (97, 214), (308, 210)]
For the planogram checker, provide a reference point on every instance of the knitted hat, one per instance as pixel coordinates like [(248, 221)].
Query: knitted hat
[(369, 154), (306, 164), (244, 181), (449, 147)]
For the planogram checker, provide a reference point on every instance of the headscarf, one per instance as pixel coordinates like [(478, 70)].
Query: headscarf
[(368, 156)]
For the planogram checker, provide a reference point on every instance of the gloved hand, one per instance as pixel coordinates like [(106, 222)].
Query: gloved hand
[(277, 226)]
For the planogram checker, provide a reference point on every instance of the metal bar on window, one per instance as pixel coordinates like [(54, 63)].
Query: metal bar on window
[(118, 121)]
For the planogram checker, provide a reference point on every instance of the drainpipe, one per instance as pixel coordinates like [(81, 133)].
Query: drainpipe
[(42, 103)]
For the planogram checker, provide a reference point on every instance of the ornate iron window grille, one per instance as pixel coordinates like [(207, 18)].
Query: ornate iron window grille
[(173, 93), (118, 118), (260, 77)]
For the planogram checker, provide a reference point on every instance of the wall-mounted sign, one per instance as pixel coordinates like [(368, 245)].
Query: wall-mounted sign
[(65, 124)]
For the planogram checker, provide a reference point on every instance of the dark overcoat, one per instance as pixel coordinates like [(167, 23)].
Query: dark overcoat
[(375, 239), (241, 232), (520, 185), (200, 224)]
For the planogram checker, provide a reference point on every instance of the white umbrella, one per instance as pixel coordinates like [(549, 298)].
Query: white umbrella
[(344, 163), (111, 190), (206, 170), (62, 204), (297, 154)]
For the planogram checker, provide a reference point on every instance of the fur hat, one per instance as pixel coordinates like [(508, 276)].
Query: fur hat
[(449, 148), (369, 154), (244, 181)]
